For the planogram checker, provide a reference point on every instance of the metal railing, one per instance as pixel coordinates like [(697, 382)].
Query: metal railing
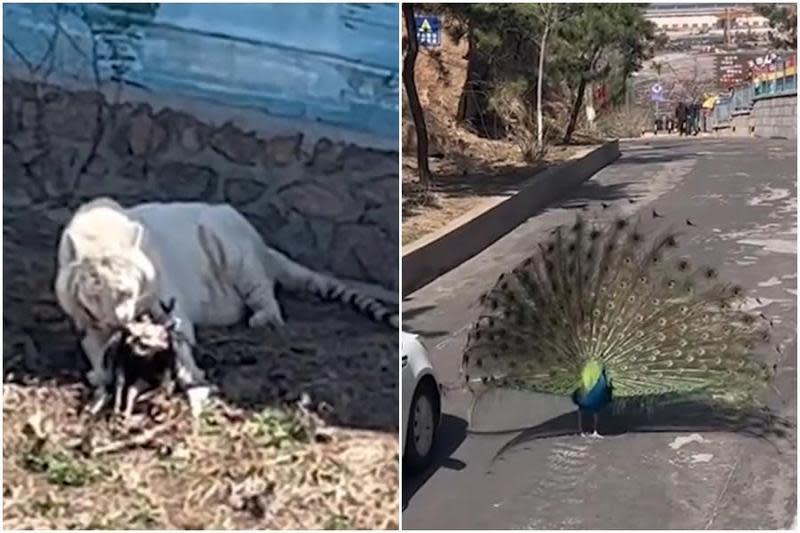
[(776, 79)]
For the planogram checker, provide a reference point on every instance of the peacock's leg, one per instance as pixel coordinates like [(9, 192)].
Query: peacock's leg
[(595, 434), (580, 423)]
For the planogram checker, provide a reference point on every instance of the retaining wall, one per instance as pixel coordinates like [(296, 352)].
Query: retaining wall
[(775, 116), (330, 205)]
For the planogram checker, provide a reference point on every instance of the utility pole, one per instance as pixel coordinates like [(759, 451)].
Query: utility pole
[(727, 30), (658, 81)]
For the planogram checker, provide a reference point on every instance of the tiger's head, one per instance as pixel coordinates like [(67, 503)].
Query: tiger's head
[(107, 289), (110, 288)]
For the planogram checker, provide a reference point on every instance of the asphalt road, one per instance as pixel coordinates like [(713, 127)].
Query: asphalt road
[(668, 474)]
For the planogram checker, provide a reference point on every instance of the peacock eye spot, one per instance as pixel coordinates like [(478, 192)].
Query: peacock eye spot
[(621, 223), (683, 265), (594, 235)]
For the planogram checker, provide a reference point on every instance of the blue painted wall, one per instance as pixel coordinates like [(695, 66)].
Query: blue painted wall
[(330, 63)]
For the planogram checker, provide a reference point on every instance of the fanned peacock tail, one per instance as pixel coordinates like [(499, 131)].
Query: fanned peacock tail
[(621, 294)]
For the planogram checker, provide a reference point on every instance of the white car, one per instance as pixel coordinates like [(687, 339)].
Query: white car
[(421, 403)]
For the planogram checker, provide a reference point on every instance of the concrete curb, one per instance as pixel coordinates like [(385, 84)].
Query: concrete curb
[(424, 263)]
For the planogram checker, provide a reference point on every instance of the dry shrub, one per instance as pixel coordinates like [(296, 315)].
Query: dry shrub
[(509, 101), (622, 122)]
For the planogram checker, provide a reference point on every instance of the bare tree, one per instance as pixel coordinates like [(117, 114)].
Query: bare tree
[(409, 62), (550, 15)]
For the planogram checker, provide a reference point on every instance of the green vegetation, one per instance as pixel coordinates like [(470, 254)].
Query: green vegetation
[(783, 20), (61, 469), (278, 428), (337, 522), (529, 60)]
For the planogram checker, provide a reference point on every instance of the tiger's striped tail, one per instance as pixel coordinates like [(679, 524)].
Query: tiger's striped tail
[(299, 278)]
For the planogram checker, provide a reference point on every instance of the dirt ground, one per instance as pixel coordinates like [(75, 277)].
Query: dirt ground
[(303, 433)]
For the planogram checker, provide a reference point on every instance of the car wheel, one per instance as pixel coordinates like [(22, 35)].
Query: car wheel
[(422, 422)]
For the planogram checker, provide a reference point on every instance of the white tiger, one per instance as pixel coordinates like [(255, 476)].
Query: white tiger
[(115, 263)]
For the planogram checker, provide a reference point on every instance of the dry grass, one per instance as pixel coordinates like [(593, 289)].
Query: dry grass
[(232, 468)]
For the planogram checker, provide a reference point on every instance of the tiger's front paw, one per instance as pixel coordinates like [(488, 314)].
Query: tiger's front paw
[(100, 398), (198, 399), (98, 378), (266, 318)]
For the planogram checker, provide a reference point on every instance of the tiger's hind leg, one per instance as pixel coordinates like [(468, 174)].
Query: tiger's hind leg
[(243, 267), (258, 291), (266, 310)]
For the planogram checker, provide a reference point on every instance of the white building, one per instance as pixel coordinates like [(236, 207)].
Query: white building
[(703, 18)]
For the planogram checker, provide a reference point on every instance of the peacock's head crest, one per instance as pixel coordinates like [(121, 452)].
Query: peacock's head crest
[(591, 373)]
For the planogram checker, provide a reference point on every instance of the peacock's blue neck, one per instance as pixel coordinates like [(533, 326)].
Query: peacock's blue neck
[(595, 398)]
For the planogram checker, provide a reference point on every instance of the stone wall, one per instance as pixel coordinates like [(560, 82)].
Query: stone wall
[(330, 206), (775, 116), (740, 124)]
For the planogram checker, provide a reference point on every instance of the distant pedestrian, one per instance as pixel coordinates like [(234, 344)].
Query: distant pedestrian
[(691, 118), (695, 112), (680, 117)]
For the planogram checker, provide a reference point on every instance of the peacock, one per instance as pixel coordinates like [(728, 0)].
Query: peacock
[(609, 311)]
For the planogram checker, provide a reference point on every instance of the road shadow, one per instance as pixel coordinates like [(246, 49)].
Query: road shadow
[(761, 423), (655, 156), (452, 432), (592, 191)]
